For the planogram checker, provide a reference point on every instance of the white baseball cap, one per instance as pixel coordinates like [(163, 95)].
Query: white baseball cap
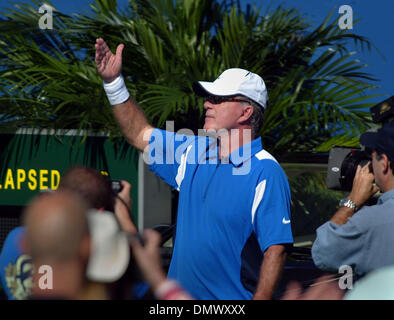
[(110, 250), (235, 82)]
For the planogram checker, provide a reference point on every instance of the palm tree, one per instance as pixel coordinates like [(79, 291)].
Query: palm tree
[(318, 93), (317, 90)]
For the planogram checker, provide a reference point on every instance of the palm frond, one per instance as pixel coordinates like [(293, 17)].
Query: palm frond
[(318, 90)]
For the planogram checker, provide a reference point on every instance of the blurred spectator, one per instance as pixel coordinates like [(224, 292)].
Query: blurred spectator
[(16, 268), (76, 245), (324, 288), (109, 259), (89, 184), (57, 239), (96, 189), (111, 272), (148, 259), (377, 285)]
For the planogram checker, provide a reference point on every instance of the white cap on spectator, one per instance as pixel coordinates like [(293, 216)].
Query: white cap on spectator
[(110, 250)]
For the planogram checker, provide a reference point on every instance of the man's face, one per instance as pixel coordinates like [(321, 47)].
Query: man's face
[(221, 114)]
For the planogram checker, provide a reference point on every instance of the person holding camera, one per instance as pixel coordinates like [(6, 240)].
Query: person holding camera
[(98, 192), (358, 235)]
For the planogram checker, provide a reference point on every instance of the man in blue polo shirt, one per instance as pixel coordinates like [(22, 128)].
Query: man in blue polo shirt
[(233, 222)]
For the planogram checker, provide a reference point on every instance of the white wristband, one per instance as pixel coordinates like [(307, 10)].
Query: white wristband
[(116, 91)]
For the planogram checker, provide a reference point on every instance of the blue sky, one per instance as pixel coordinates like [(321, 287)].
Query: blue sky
[(376, 23)]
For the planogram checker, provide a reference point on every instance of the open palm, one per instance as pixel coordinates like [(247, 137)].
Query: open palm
[(108, 65)]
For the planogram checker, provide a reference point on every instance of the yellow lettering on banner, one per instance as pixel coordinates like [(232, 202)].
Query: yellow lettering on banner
[(55, 175), (32, 179), (9, 180), (43, 179), (20, 177)]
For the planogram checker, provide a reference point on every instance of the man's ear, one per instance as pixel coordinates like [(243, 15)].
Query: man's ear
[(246, 114), (385, 163)]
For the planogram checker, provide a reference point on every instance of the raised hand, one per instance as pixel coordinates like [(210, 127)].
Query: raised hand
[(108, 65)]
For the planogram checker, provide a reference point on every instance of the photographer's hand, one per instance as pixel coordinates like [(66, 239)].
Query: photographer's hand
[(363, 189), (363, 185), (148, 258), (123, 206), (149, 261)]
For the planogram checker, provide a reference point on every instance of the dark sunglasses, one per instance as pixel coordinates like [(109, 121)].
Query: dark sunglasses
[(219, 99)]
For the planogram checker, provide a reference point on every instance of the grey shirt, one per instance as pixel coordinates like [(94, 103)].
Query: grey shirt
[(365, 242)]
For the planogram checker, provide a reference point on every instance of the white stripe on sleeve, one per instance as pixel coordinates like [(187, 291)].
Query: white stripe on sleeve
[(258, 196), (182, 168)]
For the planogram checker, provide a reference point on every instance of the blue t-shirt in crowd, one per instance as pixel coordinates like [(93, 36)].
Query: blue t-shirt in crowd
[(229, 212), (16, 268)]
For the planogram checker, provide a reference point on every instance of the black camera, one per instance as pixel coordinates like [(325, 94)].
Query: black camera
[(342, 167), (343, 161), (116, 186)]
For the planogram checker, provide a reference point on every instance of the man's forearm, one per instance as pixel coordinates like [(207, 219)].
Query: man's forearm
[(130, 117), (342, 215), (271, 270), (124, 219), (133, 123)]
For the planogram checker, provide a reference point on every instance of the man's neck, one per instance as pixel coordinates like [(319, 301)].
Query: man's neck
[(231, 140), (387, 182)]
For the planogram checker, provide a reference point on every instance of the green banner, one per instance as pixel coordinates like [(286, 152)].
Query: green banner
[(33, 162)]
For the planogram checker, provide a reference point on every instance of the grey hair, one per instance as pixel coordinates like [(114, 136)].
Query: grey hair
[(256, 120)]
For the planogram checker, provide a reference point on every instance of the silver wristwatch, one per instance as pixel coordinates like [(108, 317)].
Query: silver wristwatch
[(346, 202)]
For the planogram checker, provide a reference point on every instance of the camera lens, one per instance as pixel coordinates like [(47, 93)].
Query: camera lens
[(349, 167)]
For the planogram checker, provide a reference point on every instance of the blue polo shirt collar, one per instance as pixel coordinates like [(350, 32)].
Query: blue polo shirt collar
[(238, 157)]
